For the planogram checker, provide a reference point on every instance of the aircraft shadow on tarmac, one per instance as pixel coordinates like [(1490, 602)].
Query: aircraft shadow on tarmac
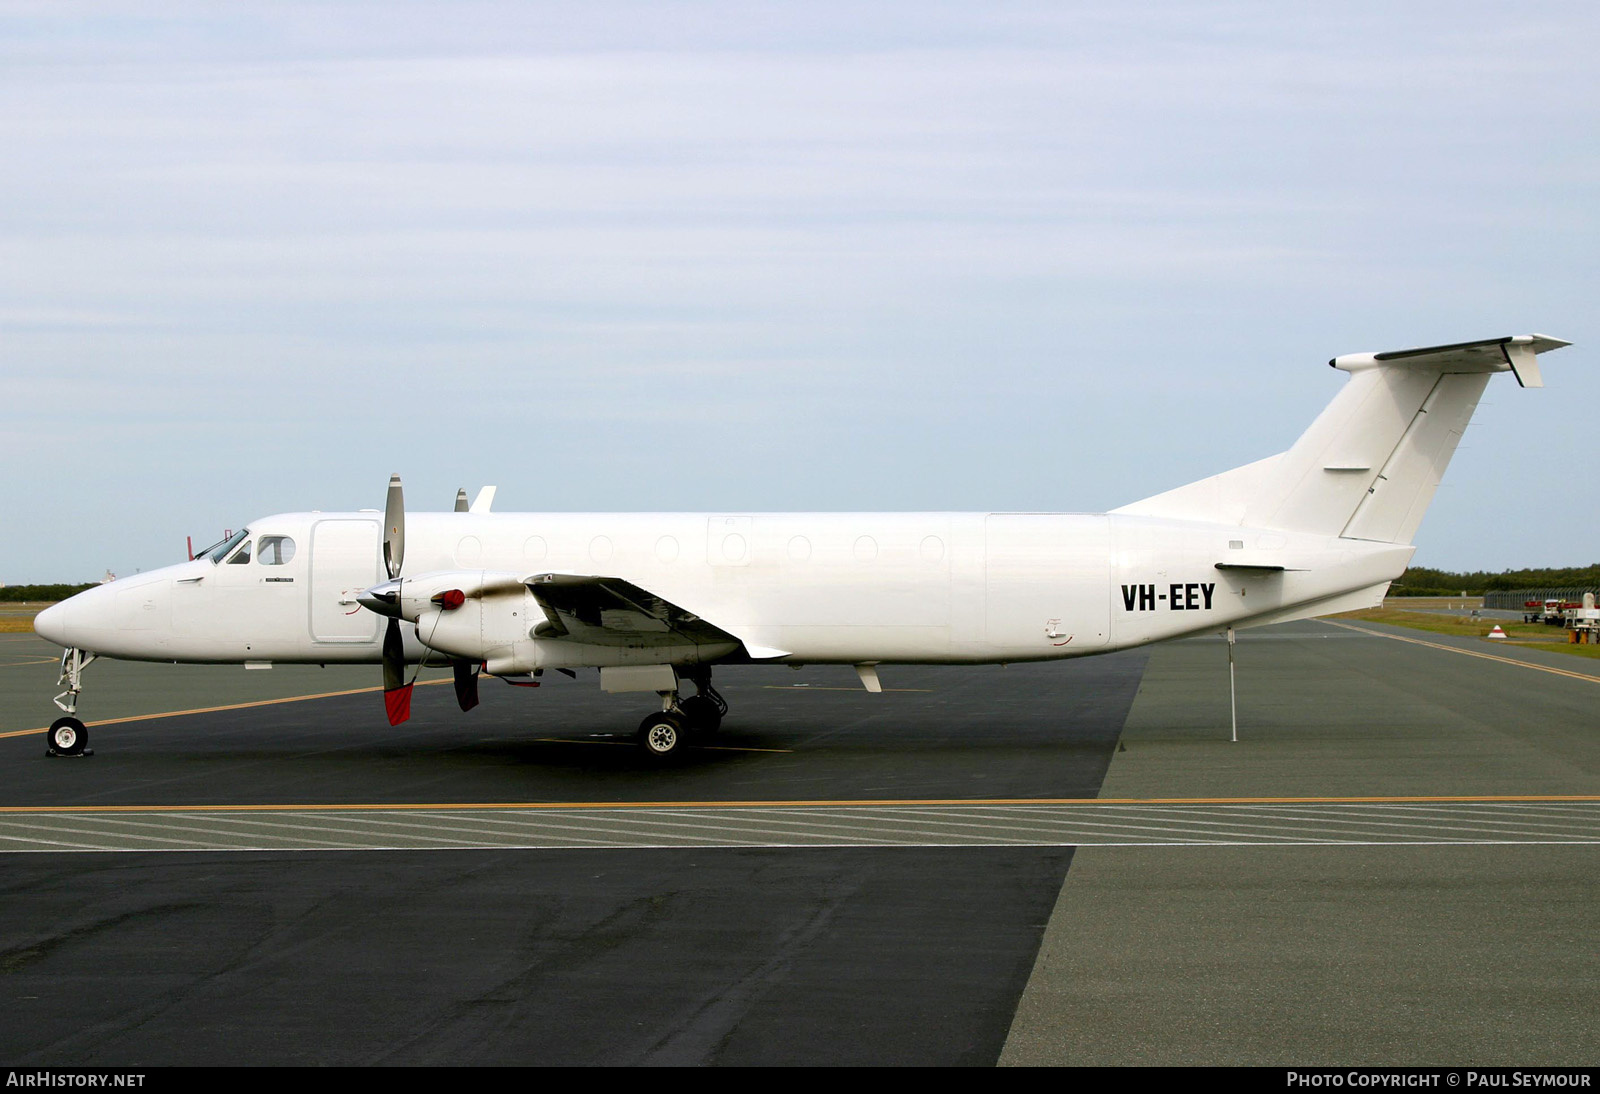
[(950, 733)]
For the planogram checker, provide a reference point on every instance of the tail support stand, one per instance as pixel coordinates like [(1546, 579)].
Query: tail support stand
[(1233, 700)]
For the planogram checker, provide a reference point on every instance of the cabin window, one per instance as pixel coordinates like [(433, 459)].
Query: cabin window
[(241, 556), (274, 550)]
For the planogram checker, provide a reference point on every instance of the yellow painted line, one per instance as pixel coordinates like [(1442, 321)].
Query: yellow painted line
[(213, 710), (813, 687), (1468, 653), (743, 748), (1454, 799), (632, 744), (19, 664)]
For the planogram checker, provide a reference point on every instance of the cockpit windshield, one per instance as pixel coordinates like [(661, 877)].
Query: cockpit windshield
[(220, 551)]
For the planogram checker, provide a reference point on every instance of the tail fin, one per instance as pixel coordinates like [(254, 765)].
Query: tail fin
[(1368, 466)]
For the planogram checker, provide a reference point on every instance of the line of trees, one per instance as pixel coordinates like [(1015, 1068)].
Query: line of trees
[(1423, 581), (13, 594)]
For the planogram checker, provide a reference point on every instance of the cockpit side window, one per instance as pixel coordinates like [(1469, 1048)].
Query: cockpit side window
[(220, 551), (274, 550), (241, 556)]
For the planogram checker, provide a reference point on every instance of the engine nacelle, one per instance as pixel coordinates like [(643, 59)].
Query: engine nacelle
[(468, 614), (492, 617)]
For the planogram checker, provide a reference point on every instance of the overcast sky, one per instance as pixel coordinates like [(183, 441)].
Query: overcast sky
[(746, 257)]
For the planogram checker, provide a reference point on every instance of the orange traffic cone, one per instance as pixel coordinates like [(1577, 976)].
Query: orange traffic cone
[(1497, 632)]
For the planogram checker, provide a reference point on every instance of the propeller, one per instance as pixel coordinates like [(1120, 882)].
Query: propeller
[(394, 528), (466, 683), (385, 599), (396, 692)]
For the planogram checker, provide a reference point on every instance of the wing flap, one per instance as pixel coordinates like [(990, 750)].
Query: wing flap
[(611, 611)]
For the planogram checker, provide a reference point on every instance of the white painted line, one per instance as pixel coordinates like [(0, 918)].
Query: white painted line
[(874, 825), (1076, 822), (1456, 826), (805, 846)]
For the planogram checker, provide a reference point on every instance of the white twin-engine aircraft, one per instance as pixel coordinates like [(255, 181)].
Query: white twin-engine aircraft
[(655, 599)]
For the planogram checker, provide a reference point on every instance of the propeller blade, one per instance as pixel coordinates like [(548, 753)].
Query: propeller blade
[(461, 499), (394, 528), (396, 692), (466, 683)]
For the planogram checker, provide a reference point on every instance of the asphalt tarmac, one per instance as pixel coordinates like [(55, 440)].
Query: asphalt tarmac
[(912, 877), (462, 954), (1390, 946)]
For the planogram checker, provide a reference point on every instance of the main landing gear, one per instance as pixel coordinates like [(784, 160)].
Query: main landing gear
[(68, 736), (664, 735)]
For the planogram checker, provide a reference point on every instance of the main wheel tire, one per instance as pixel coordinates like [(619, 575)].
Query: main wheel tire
[(662, 736), (703, 716), (68, 737)]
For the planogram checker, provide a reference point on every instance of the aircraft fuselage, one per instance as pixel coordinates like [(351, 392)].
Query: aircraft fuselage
[(799, 587)]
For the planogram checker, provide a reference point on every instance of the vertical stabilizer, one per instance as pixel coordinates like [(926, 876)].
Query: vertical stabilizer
[(1369, 465)]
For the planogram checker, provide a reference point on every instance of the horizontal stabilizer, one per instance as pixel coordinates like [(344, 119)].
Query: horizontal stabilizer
[(1517, 354)]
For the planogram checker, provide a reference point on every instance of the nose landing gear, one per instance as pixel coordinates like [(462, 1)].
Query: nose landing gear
[(68, 736)]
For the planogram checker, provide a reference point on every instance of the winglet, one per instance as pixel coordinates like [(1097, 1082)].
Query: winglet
[(484, 501)]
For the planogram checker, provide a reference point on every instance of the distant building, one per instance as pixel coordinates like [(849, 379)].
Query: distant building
[(1517, 599)]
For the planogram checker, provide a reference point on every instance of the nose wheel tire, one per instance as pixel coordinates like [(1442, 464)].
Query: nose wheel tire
[(68, 737), (662, 736)]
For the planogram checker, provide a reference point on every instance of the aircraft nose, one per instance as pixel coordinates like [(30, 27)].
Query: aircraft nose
[(51, 624)]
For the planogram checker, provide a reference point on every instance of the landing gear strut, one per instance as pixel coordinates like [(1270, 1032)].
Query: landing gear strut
[(664, 735), (706, 708), (69, 736)]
